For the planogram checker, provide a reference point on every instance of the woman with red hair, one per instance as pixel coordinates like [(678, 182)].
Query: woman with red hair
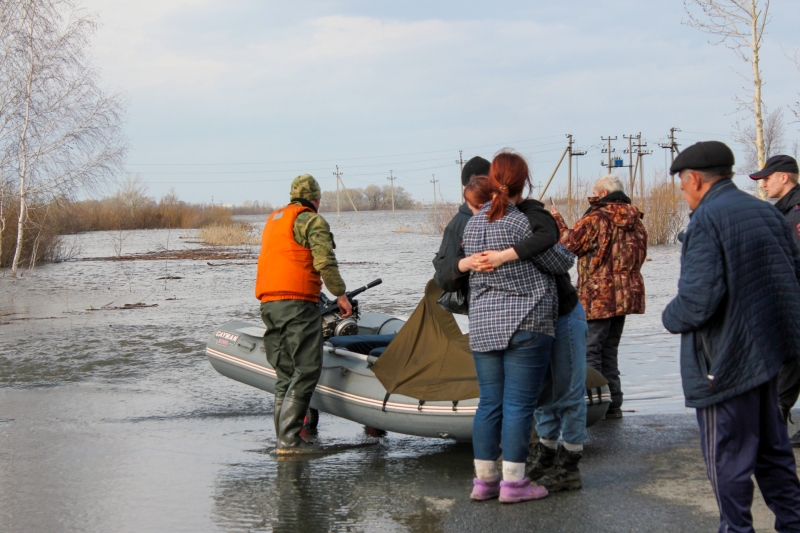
[(512, 315)]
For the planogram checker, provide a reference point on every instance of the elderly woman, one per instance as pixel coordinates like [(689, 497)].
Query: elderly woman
[(512, 315)]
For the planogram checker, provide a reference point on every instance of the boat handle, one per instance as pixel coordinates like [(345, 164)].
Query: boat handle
[(247, 346), (371, 360)]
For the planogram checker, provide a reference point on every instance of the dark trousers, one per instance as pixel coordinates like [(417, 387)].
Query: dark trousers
[(789, 385), (293, 341), (602, 342), (745, 436)]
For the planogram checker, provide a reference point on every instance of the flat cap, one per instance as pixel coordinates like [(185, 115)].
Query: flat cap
[(702, 155), (477, 166), (777, 163), (306, 187)]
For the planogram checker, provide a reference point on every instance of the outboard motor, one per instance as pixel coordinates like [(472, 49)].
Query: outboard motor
[(333, 325)]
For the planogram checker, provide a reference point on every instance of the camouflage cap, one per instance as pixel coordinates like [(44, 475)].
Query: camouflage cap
[(306, 187)]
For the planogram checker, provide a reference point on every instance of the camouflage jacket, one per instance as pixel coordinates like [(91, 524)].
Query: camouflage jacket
[(611, 244), (312, 231)]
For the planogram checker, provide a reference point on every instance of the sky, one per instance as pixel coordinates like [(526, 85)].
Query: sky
[(229, 101)]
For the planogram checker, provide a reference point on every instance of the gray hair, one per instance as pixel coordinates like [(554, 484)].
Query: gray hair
[(610, 183)]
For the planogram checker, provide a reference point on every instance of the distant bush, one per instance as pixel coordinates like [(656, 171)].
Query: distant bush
[(252, 208)]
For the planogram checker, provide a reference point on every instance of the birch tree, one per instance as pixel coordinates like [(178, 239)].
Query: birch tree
[(65, 131), (739, 25)]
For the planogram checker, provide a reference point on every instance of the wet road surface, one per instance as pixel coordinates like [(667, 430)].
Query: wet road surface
[(115, 421)]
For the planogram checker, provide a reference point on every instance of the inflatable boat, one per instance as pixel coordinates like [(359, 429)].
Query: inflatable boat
[(414, 377)]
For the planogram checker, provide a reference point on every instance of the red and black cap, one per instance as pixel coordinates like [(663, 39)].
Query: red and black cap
[(776, 163)]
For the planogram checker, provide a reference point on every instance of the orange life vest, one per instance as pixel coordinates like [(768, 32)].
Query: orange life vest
[(285, 269)]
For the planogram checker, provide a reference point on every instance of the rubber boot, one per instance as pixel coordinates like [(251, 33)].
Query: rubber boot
[(289, 427), (311, 421), (544, 460), (565, 475), (276, 413)]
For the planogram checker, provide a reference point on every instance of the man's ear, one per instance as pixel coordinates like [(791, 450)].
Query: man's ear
[(696, 180), (784, 178)]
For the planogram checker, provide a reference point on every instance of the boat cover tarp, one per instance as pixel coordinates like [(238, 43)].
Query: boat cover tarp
[(429, 359)]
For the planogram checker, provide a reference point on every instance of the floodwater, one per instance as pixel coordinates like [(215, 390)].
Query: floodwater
[(113, 420)]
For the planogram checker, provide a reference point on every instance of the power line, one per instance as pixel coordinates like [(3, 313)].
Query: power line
[(344, 158)]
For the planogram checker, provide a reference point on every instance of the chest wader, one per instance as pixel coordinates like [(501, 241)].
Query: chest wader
[(293, 342)]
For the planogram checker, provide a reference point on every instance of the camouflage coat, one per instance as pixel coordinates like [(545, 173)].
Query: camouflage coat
[(611, 244), (313, 232)]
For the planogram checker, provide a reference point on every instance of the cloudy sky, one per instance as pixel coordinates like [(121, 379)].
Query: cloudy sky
[(231, 100)]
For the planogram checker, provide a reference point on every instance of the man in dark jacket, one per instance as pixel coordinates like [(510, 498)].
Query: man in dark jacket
[(738, 309), (780, 181), (447, 275)]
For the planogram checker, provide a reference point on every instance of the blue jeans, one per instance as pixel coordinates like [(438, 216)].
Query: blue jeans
[(510, 381), (563, 413)]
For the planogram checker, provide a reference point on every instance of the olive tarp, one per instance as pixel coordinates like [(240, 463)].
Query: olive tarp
[(430, 359)]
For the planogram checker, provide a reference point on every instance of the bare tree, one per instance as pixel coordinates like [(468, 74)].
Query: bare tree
[(739, 25), (133, 194), (774, 140), (67, 132)]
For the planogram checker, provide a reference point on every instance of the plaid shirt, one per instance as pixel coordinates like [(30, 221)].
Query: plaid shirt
[(519, 295)]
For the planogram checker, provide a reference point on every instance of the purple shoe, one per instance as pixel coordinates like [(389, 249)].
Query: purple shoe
[(484, 490), (520, 491)]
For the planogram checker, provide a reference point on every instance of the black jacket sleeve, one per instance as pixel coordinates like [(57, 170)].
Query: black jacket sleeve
[(543, 226), (447, 276)]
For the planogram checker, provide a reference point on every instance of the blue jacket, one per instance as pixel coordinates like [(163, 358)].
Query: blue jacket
[(738, 302)]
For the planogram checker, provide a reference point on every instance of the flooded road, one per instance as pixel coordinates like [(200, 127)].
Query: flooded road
[(113, 420)]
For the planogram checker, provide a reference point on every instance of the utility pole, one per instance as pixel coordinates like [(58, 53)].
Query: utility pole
[(608, 151), (391, 178), (540, 188), (434, 180), (672, 146), (337, 174), (460, 162), (640, 153), (572, 153), (340, 180), (630, 161)]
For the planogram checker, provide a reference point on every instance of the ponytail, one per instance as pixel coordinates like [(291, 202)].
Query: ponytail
[(508, 176)]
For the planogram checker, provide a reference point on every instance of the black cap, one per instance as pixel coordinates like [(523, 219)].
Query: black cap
[(477, 166), (777, 163), (703, 155)]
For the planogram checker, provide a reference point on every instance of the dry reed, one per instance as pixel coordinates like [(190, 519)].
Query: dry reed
[(439, 218), (665, 211), (233, 234)]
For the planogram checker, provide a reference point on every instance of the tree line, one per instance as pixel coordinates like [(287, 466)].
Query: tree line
[(369, 198)]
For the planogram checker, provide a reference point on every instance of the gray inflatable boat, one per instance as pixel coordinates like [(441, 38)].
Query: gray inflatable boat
[(349, 388)]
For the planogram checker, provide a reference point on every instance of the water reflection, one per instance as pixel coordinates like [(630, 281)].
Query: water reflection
[(403, 485)]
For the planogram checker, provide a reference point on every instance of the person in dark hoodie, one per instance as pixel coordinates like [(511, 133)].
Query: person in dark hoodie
[(611, 244), (447, 275), (780, 176)]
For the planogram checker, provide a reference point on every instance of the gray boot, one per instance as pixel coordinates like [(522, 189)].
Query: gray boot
[(544, 459), (565, 475), (289, 426)]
